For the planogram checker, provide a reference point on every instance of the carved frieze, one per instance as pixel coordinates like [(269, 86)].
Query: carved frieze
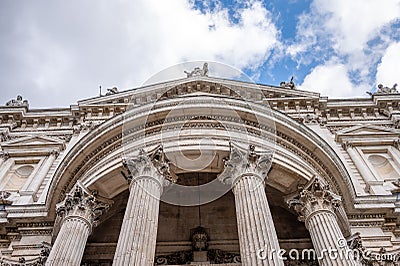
[(214, 256), (38, 261)]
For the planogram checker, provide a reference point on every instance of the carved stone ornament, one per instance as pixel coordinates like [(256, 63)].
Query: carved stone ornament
[(311, 119), (199, 239), (346, 145), (80, 202), (396, 143), (89, 125), (198, 71), (4, 155), (17, 102), (38, 261), (113, 90), (384, 90), (288, 85), (55, 153), (5, 136), (396, 183), (243, 161), (214, 256), (313, 197), (149, 164), (4, 195)]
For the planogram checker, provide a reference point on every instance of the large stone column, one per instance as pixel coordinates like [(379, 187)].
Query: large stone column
[(315, 205), (78, 214), (138, 235), (245, 172)]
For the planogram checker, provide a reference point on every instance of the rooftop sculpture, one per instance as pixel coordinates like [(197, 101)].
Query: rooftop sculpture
[(17, 102), (197, 71), (384, 90), (288, 85)]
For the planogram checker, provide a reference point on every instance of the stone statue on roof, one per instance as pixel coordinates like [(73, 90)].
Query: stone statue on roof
[(17, 102), (112, 91), (385, 90), (288, 85), (197, 71)]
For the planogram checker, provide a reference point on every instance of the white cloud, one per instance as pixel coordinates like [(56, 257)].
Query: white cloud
[(50, 48), (347, 25), (389, 69), (353, 23), (353, 33), (330, 79)]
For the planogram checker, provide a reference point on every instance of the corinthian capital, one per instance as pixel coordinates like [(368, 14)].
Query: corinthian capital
[(244, 162), (152, 164), (314, 196), (4, 155), (83, 203)]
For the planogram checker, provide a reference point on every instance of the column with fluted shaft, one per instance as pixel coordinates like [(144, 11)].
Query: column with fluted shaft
[(316, 205), (245, 171), (77, 214), (149, 171)]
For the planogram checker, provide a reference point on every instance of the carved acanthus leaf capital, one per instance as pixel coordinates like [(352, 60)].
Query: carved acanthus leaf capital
[(396, 143), (152, 164), (5, 135), (314, 196), (55, 153), (4, 198), (4, 155), (83, 203), (243, 162), (346, 145)]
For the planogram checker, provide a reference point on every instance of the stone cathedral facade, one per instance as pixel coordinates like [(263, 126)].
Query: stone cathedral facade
[(84, 185)]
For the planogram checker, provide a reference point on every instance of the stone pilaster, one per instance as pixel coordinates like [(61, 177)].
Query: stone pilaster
[(316, 205), (373, 186), (245, 170), (78, 214), (37, 181), (137, 239)]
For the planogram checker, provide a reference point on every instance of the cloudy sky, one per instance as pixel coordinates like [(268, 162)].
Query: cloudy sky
[(57, 52)]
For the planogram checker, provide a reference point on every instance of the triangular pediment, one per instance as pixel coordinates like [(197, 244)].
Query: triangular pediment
[(202, 84), (366, 130), (31, 143), (360, 132)]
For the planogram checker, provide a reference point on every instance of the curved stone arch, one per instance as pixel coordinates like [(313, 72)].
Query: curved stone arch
[(295, 141)]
